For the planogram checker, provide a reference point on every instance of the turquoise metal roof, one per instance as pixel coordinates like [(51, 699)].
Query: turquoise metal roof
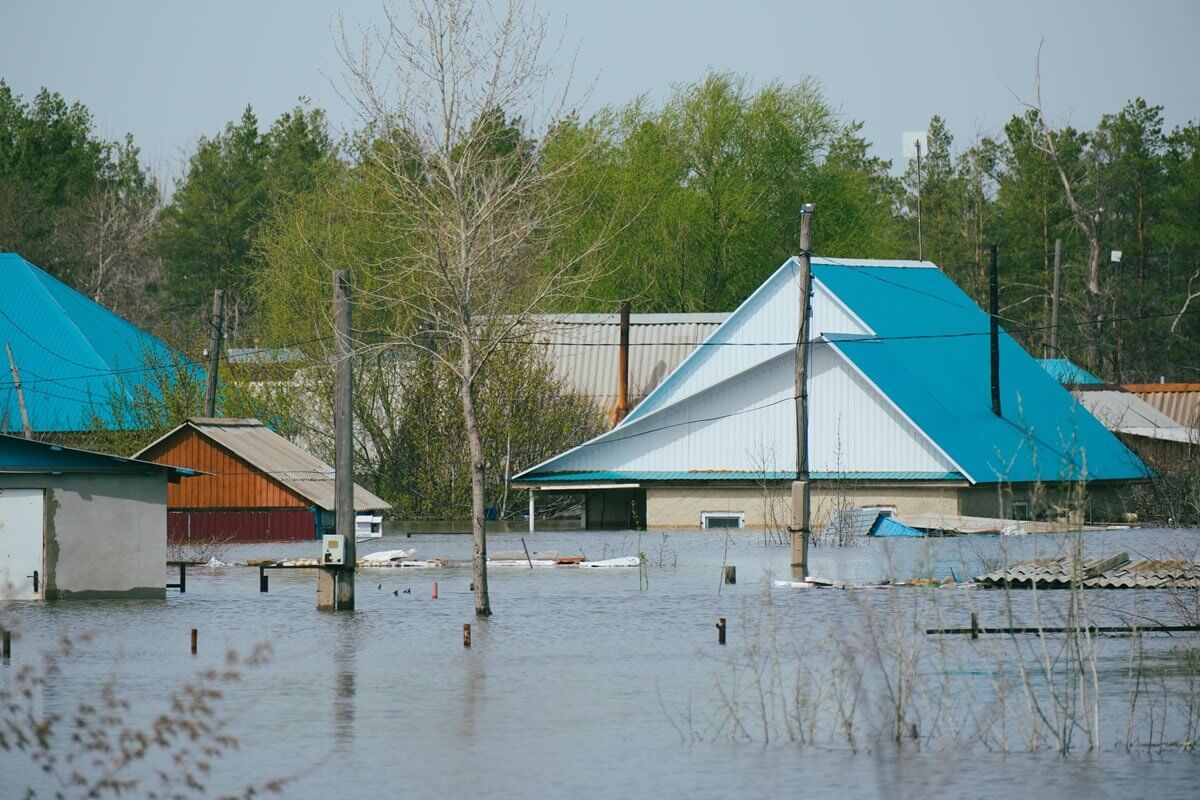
[(714, 475), (21, 455), (1066, 371), (74, 355), (930, 356)]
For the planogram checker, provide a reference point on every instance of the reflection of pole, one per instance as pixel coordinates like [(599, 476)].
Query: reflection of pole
[(217, 323), (12, 364), (1054, 299), (800, 488), (920, 243)]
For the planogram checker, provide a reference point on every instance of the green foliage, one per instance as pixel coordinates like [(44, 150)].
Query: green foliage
[(699, 201), (233, 181)]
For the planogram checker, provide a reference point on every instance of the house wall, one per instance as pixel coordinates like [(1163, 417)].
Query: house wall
[(681, 506), (234, 484), (105, 535)]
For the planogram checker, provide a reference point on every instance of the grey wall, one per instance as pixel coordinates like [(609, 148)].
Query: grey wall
[(106, 535)]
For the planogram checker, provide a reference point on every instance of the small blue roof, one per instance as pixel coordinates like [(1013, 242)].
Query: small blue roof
[(74, 356), (21, 455), (930, 356), (1067, 372)]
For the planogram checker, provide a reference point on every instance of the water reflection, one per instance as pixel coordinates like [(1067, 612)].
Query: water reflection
[(345, 665)]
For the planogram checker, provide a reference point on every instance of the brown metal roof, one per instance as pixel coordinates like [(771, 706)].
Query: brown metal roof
[(272, 454), (1179, 401)]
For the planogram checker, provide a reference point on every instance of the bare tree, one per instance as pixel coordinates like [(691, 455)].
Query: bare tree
[(471, 204), (1087, 218)]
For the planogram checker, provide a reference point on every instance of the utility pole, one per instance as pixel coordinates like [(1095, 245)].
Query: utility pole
[(1054, 300), (217, 323), (335, 585), (12, 364), (920, 244), (801, 495), (994, 330)]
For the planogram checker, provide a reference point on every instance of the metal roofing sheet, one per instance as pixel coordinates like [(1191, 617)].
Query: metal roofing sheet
[(274, 455), (1179, 401), (21, 455), (1128, 413), (1066, 371), (74, 355), (584, 349), (930, 357)]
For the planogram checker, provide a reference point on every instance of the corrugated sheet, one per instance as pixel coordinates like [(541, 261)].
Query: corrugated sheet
[(74, 355), (267, 525), (584, 349), (256, 468), (1126, 412), (1112, 572), (1066, 371), (18, 454), (1179, 401)]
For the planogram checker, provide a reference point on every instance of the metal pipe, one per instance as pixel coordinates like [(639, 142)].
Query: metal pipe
[(622, 406)]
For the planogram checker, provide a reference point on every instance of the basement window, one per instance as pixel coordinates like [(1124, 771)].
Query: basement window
[(722, 519)]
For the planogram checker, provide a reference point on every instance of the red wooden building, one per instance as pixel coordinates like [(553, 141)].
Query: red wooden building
[(261, 487)]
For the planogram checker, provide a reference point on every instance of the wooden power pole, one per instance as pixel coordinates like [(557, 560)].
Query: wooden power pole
[(1054, 300), (16, 375), (801, 496), (341, 592), (217, 323)]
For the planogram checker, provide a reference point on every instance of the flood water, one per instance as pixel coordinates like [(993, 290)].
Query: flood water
[(578, 684)]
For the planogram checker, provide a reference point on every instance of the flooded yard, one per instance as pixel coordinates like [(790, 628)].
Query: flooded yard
[(610, 682)]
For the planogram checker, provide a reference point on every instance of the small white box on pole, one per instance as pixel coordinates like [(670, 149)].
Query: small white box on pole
[(333, 550)]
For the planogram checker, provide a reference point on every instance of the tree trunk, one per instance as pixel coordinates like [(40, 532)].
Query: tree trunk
[(1094, 303), (483, 604)]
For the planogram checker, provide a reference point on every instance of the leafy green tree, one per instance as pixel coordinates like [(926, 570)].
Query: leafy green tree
[(232, 182)]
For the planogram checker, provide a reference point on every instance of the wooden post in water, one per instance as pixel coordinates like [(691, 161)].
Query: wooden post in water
[(466, 634), (6, 644), (195, 635), (720, 630), (800, 489), (730, 574), (433, 591), (974, 625)]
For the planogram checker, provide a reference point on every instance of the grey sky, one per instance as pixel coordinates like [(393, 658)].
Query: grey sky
[(170, 72)]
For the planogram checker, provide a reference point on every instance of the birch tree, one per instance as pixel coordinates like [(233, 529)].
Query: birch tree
[(470, 207)]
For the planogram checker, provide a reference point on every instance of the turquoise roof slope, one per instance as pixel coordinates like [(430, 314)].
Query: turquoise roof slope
[(74, 355), (930, 356), (1067, 372)]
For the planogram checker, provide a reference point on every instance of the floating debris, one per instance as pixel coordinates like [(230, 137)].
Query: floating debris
[(1112, 572)]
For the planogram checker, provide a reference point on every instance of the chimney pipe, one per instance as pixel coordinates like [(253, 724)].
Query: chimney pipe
[(994, 314), (622, 406)]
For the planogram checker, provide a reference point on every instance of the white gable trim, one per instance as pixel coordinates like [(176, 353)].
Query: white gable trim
[(847, 310), (887, 398), (872, 262)]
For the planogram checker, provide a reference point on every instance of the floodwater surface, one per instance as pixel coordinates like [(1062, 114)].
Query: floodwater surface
[(593, 683)]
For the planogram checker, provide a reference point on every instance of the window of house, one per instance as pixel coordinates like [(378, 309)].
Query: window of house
[(722, 519)]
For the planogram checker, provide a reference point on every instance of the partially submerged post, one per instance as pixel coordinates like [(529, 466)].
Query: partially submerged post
[(800, 487), (336, 583)]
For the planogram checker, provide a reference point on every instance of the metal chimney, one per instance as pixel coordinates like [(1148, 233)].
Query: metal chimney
[(622, 407)]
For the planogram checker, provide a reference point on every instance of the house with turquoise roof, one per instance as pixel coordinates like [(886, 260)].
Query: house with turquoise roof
[(77, 363), (900, 414)]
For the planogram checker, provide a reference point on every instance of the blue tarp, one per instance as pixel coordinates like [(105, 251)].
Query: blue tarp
[(887, 526)]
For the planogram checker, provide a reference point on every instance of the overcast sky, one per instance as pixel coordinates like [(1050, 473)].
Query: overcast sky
[(170, 72)]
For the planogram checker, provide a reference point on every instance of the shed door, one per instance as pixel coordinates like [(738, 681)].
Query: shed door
[(21, 544)]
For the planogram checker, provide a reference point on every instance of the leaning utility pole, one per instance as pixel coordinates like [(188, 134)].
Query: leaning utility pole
[(1054, 300), (12, 364), (801, 495), (217, 323), (343, 443)]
